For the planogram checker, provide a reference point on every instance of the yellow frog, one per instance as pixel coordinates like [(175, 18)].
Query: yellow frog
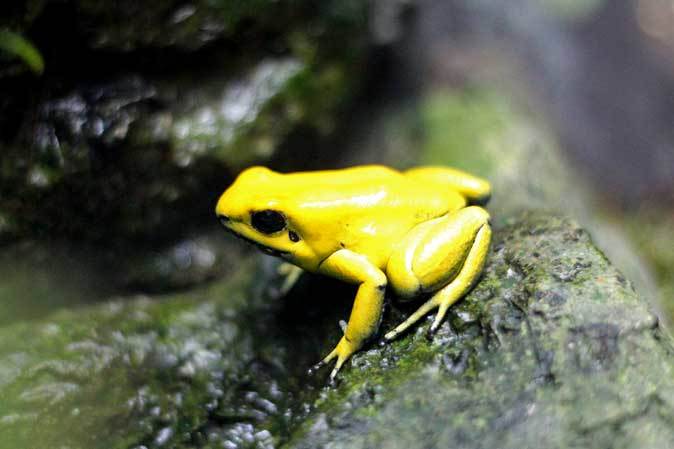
[(415, 231)]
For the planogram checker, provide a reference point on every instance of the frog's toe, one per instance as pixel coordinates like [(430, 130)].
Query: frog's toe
[(342, 352), (437, 322), (323, 362), (416, 316), (442, 311), (311, 371), (335, 370)]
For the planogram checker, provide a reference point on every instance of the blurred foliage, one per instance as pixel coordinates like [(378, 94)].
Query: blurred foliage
[(13, 44), (456, 121)]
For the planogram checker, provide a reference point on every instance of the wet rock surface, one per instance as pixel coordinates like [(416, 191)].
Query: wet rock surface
[(533, 356), (186, 371)]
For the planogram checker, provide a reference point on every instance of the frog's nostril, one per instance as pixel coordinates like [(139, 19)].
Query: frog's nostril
[(224, 219)]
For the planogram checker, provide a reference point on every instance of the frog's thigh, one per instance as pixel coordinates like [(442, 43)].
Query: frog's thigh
[(399, 270), (445, 256)]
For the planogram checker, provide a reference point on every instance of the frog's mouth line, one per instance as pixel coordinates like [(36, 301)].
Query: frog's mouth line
[(260, 246)]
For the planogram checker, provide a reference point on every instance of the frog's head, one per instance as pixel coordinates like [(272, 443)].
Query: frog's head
[(254, 209)]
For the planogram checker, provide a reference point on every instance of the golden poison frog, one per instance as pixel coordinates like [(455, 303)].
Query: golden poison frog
[(420, 232)]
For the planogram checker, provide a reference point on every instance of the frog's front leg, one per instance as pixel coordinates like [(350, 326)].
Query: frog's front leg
[(446, 256), (367, 307), (291, 274)]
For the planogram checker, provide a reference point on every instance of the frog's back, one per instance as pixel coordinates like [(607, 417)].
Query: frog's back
[(366, 209), (360, 175), (369, 186)]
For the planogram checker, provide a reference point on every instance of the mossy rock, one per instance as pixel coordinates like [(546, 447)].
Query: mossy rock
[(553, 337), (553, 348)]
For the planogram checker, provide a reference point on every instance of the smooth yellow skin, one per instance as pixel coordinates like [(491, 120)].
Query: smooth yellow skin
[(415, 231)]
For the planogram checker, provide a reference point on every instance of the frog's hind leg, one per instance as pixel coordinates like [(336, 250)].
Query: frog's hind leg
[(473, 188), (448, 260)]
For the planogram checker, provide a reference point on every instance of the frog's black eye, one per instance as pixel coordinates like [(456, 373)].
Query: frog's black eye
[(268, 221)]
